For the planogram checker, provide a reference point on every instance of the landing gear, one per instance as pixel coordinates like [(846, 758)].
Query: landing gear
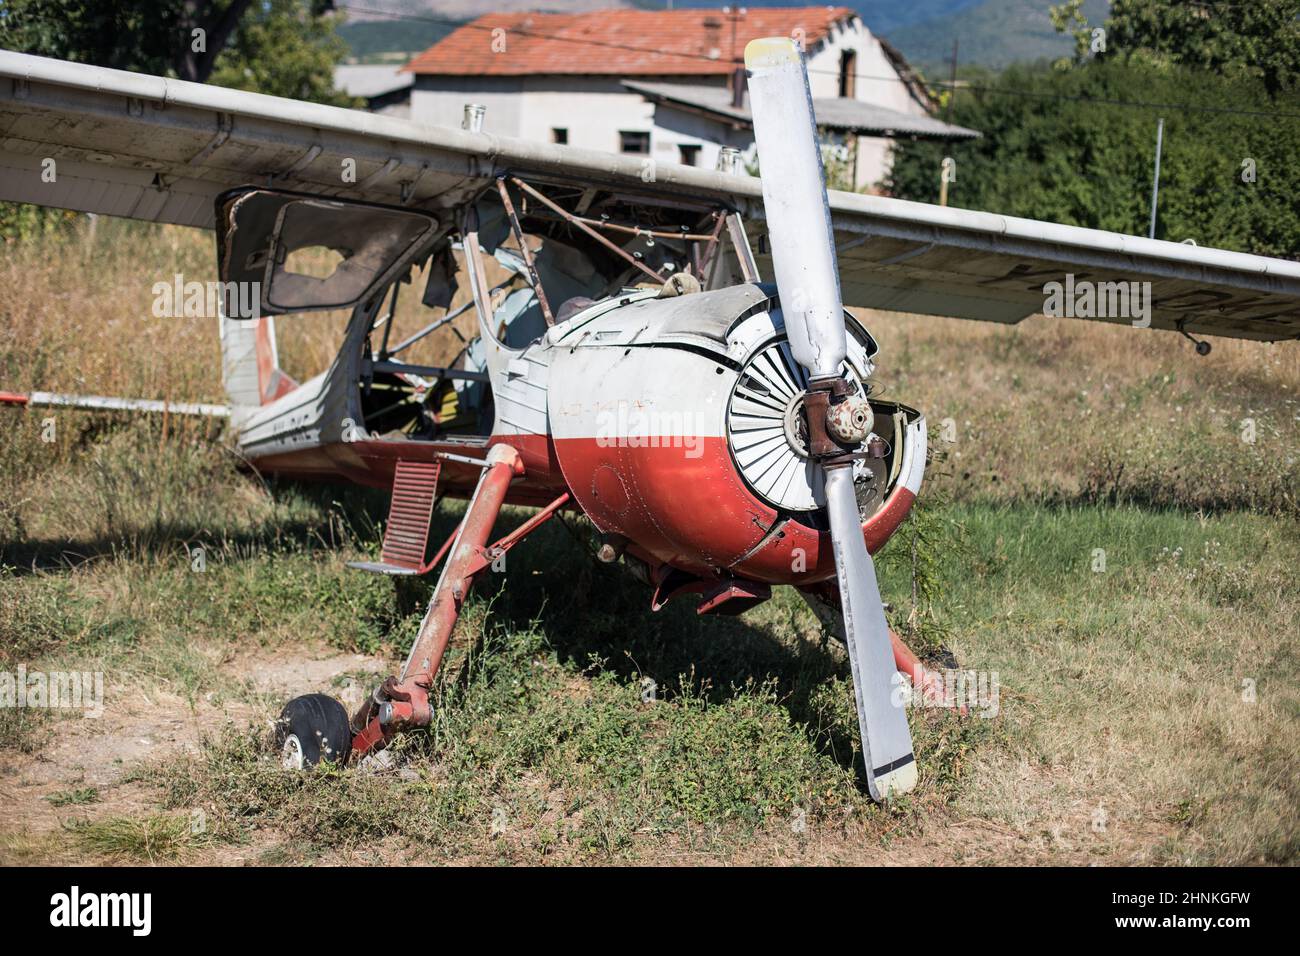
[(311, 730), (929, 681), (402, 703), (316, 727)]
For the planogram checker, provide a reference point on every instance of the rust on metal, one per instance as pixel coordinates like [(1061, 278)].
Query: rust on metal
[(568, 216), (526, 252)]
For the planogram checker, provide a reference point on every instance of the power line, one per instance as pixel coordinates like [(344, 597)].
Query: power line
[(953, 86)]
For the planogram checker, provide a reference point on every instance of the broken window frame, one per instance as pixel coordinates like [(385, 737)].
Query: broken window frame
[(704, 253)]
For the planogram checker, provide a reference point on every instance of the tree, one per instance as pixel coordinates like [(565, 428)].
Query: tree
[(281, 47), (285, 48), (1240, 38), (148, 36), (1058, 146)]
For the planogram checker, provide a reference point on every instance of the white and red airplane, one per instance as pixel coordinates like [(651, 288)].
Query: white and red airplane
[(718, 430)]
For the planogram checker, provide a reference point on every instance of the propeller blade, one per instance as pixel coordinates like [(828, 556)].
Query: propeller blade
[(794, 202), (882, 721), (803, 257)]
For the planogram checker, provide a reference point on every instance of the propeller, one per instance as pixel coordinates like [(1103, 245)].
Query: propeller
[(839, 420)]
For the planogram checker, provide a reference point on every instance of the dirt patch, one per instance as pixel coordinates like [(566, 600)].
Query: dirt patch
[(85, 769)]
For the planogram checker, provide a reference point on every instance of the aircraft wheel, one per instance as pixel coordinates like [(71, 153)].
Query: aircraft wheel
[(312, 729)]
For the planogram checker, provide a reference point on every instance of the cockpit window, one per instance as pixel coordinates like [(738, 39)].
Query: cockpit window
[(310, 254)]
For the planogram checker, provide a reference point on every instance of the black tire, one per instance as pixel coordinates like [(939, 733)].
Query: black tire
[(313, 729)]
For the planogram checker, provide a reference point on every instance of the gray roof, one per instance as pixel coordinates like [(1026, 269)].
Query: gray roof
[(857, 116), (366, 80)]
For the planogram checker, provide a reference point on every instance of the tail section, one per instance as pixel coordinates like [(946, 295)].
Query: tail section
[(250, 366)]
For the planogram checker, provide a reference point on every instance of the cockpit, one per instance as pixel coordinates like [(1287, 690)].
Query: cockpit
[(434, 294)]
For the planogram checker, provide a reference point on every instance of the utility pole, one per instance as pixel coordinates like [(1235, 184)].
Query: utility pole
[(952, 84), (947, 174), (1155, 183)]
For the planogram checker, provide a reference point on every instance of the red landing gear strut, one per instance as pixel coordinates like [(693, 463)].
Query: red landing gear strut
[(401, 704), (928, 682)]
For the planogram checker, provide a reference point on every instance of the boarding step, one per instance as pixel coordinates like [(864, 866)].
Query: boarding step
[(410, 511), (378, 567)]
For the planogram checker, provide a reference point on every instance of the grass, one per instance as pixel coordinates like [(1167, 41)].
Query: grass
[(158, 838), (1097, 533), (534, 755), (74, 798), (1130, 685)]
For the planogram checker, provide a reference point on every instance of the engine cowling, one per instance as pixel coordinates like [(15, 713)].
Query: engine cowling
[(676, 424)]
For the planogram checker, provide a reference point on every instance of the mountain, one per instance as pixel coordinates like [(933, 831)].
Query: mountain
[(374, 41), (880, 16), (992, 33), (380, 31)]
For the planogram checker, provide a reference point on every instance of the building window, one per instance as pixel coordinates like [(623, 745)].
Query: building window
[(634, 141), (690, 154), (848, 72), (559, 135)]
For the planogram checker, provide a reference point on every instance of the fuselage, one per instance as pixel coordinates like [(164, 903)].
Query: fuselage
[(661, 416)]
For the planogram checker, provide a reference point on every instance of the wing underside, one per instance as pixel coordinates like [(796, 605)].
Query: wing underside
[(962, 264), (105, 141)]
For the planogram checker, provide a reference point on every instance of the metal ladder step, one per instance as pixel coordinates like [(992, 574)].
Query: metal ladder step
[(410, 510)]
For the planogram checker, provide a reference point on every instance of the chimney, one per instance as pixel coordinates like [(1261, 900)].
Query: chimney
[(473, 118)]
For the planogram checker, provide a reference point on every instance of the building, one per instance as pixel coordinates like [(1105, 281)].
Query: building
[(385, 88), (669, 84)]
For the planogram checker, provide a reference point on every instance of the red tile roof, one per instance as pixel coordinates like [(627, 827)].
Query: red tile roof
[(619, 42)]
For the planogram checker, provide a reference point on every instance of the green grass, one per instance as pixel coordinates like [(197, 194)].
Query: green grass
[(75, 797), (1127, 689), (158, 838), (1119, 689), (530, 757)]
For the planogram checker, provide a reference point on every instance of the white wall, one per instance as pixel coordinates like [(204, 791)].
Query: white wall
[(875, 81), (440, 101), (675, 128), (592, 108)]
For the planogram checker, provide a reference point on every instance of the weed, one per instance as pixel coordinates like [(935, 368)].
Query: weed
[(74, 798)]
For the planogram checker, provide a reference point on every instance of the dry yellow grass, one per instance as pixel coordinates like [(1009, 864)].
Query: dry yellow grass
[(1063, 410), (1054, 409)]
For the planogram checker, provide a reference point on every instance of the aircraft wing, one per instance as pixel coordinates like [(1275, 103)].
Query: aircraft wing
[(162, 150), (126, 144), (915, 257)]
